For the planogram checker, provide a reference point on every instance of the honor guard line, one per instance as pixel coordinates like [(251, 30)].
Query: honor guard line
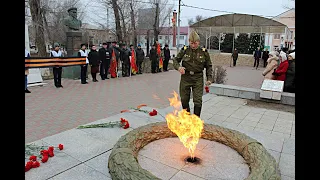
[(39, 62)]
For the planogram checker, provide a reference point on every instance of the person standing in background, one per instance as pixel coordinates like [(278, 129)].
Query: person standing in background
[(265, 56), (257, 56), (94, 60), (166, 53), (26, 73), (83, 53), (153, 58), (140, 58), (57, 71), (235, 55), (105, 57)]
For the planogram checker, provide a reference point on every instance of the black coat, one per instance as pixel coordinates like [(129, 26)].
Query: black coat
[(94, 58), (257, 54), (153, 55), (290, 75), (166, 53), (125, 55), (140, 54), (104, 55), (235, 55), (265, 55)]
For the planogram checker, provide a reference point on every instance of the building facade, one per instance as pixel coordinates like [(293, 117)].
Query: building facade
[(287, 39), (165, 37)]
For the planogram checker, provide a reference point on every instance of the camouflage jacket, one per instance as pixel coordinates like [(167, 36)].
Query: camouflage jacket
[(194, 60)]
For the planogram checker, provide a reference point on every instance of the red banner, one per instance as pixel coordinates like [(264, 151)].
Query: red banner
[(113, 66), (133, 63), (160, 57)]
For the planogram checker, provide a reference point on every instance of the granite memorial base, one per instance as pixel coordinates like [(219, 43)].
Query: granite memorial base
[(74, 40)]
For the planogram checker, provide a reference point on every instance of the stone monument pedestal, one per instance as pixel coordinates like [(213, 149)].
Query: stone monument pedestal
[(271, 89), (74, 40)]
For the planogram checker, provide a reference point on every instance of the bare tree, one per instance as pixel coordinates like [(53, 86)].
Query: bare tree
[(36, 14), (115, 8), (190, 21), (198, 18), (133, 24)]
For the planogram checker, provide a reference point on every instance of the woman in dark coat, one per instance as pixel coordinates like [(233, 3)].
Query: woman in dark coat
[(289, 83), (93, 58)]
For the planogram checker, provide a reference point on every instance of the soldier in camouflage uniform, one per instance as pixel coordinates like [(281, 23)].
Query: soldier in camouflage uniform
[(194, 59)]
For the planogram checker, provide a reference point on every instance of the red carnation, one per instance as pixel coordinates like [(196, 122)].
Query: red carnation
[(44, 158), (60, 146), (35, 164), (28, 166), (123, 120), (155, 112), (151, 113), (51, 148), (33, 158), (51, 154), (126, 126), (44, 152), (207, 89)]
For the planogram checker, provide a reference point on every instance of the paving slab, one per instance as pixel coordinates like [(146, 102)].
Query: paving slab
[(81, 171), (100, 163), (80, 144), (289, 146), (181, 175), (287, 165), (156, 168)]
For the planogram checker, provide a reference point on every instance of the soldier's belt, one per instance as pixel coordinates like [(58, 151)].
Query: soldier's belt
[(192, 73), (39, 62)]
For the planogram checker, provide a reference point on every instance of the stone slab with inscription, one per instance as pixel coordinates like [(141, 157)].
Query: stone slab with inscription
[(271, 89)]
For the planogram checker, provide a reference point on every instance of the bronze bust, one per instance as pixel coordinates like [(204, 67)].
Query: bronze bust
[(72, 22)]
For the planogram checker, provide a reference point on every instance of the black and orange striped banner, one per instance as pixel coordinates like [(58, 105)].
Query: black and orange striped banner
[(38, 62)]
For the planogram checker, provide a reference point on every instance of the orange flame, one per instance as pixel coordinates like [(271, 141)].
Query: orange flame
[(187, 127)]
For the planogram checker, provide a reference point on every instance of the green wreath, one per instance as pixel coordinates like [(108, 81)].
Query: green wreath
[(123, 164)]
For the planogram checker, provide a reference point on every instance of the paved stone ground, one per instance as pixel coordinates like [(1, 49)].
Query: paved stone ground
[(53, 110), (86, 150), (244, 76)]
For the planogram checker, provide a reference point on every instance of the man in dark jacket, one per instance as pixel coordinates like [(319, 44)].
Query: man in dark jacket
[(153, 57), (235, 55), (94, 61), (166, 53), (140, 58), (125, 60), (257, 56), (265, 56), (105, 56), (289, 83)]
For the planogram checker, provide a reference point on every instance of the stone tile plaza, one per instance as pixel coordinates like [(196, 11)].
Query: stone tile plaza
[(86, 151)]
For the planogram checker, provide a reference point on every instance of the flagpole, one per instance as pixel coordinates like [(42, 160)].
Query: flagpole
[(130, 65)]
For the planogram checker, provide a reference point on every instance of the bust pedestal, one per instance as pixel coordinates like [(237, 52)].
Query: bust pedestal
[(74, 40)]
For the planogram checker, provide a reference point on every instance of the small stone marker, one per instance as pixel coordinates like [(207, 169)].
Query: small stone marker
[(271, 89)]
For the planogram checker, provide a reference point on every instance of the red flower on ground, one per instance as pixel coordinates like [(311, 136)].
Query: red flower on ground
[(151, 113), (28, 166), (35, 164), (122, 120), (60, 146), (126, 125), (33, 158), (207, 89), (51, 148), (51, 154), (155, 112), (44, 152), (44, 158)]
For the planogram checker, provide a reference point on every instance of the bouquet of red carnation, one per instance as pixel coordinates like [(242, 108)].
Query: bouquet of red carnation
[(122, 123), (44, 154)]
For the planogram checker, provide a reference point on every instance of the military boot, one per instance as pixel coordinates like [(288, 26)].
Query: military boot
[(184, 106), (197, 110)]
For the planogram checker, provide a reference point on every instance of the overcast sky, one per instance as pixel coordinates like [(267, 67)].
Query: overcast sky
[(255, 7)]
